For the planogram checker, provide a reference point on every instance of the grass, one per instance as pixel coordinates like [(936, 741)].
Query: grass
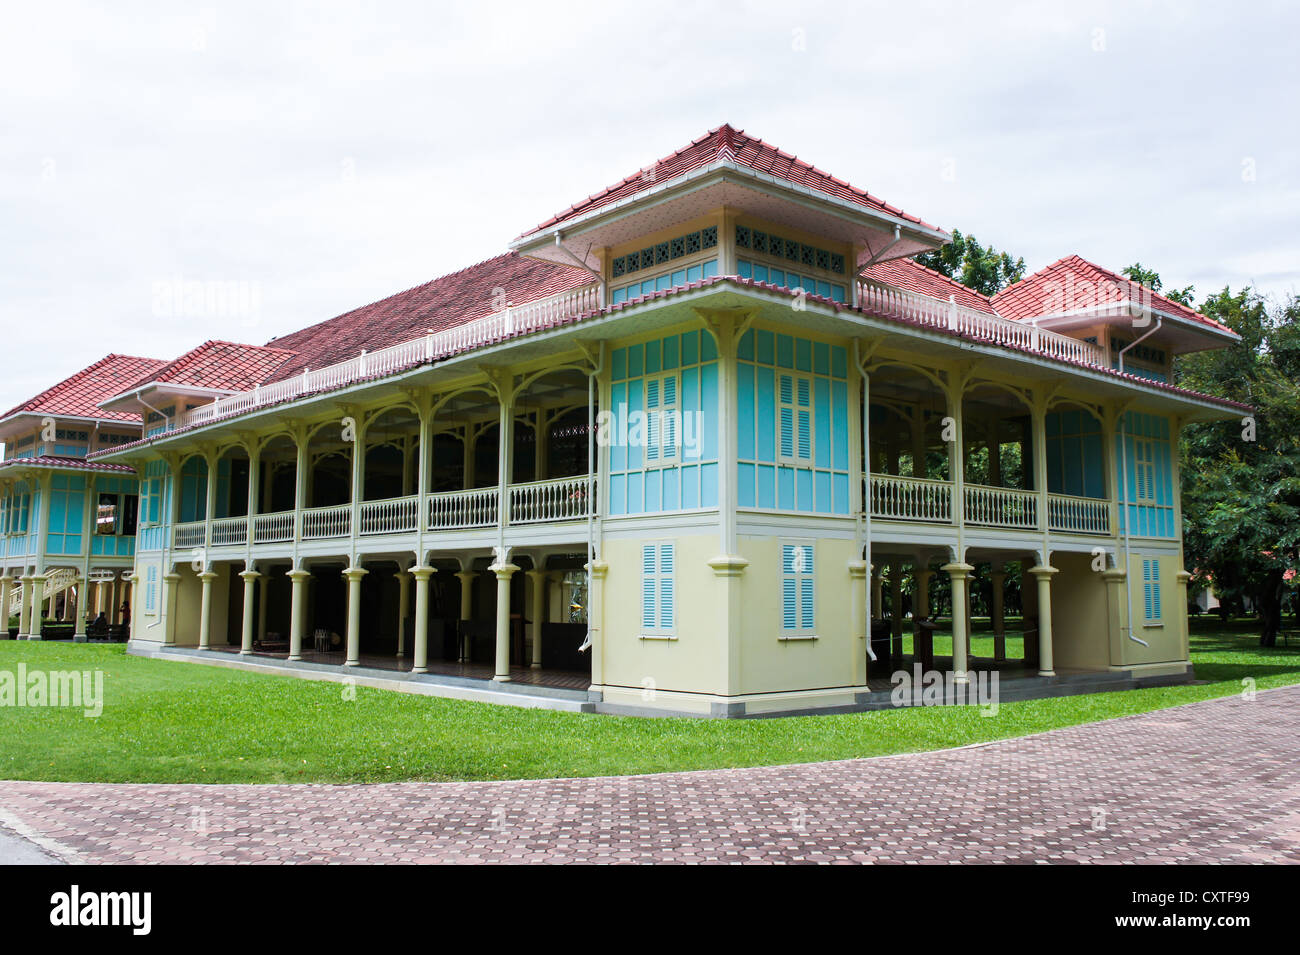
[(177, 722)]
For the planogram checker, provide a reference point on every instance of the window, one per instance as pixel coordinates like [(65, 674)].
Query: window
[(151, 590), (1144, 469), (794, 422), (798, 614), (663, 420), (658, 595), (1151, 590)]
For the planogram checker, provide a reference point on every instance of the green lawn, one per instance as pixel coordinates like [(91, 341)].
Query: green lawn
[(181, 722)]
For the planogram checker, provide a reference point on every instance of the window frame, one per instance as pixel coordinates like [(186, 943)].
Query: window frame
[(795, 460), (802, 584), (656, 579)]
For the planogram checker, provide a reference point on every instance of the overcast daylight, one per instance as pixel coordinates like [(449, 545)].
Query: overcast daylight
[(699, 433)]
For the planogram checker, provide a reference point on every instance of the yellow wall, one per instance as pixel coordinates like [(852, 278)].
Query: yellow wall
[(1080, 637)]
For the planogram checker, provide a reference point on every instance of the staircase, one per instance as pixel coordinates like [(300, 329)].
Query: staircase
[(56, 581)]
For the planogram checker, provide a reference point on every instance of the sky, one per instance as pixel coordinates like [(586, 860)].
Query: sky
[(299, 160)]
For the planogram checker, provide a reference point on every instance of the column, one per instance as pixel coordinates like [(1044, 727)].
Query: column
[(354, 575), (37, 610), (1185, 625), (79, 624), (896, 606), (403, 609), (923, 575), (537, 595), (466, 578), (958, 572), (297, 611), (6, 584), (858, 621), (503, 572), (1115, 579), (877, 593), (250, 598), (171, 583), (1043, 575), (263, 599), (24, 606), (998, 578), (420, 663), (205, 610)]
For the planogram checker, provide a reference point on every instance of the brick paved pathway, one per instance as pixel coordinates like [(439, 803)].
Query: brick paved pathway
[(1214, 781)]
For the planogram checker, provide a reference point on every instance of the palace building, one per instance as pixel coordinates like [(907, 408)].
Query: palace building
[(674, 451)]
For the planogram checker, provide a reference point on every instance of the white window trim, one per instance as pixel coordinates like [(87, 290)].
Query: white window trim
[(1153, 582)]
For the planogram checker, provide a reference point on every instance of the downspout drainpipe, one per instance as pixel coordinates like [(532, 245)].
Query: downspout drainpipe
[(864, 543), (592, 471), (1123, 489)]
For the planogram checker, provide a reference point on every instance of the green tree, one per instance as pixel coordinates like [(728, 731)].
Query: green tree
[(986, 270), (1151, 279), (1241, 480)]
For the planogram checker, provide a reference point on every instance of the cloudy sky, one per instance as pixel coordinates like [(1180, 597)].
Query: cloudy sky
[(315, 157)]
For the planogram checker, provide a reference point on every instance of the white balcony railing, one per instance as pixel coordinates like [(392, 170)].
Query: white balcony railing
[(563, 499), (229, 530), (937, 313), (319, 523), (1083, 515), (188, 535), (273, 528), (392, 516), (515, 320), (1001, 506), (911, 499), (476, 507)]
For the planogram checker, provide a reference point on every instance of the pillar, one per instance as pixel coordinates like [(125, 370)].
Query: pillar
[(264, 598), (420, 661), (858, 619), (998, 578), (877, 593), (466, 578), (1115, 578), (354, 575), (250, 598), (537, 581), (504, 572), (171, 583), (79, 624), (896, 606), (297, 611), (6, 592), (403, 609), (37, 610), (958, 573), (24, 606), (922, 608), (205, 610), (1043, 575), (1185, 630)]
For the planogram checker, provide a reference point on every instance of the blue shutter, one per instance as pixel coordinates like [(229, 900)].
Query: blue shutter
[(806, 603), (652, 419), (648, 580), (669, 442), (667, 609)]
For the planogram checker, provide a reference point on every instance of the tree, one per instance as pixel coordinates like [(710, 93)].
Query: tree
[(986, 270), (1151, 279), (1241, 481)]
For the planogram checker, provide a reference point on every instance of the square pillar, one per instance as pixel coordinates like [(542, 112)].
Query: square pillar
[(998, 578), (205, 610), (79, 624), (403, 609), (466, 578), (37, 607), (537, 583)]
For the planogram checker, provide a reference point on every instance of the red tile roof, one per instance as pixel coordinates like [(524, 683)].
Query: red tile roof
[(1075, 284), (80, 395), (217, 365), (728, 143), (58, 461), (442, 303), (912, 276)]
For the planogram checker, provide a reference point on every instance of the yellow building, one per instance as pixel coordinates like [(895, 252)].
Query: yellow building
[(738, 419)]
